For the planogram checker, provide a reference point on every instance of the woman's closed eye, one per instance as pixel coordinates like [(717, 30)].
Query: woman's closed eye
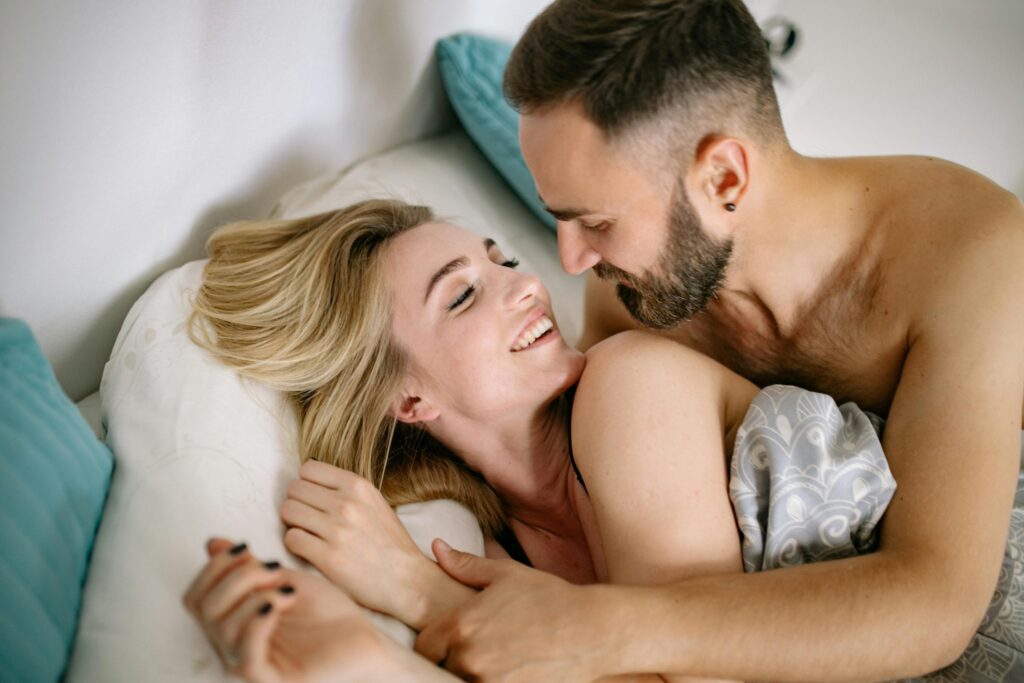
[(468, 292), (471, 290)]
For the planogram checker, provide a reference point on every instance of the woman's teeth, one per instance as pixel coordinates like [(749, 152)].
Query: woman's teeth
[(531, 335)]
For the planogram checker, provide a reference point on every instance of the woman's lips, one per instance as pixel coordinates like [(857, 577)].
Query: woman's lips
[(548, 337), (540, 327), (536, 314)]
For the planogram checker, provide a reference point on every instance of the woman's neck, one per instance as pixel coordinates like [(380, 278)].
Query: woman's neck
[(537, 494), (528, 465)]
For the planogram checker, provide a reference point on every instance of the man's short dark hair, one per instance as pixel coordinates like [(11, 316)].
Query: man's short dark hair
[(702, 63)]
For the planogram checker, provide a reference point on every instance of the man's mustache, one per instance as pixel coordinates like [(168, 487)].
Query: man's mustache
[(605, 271)]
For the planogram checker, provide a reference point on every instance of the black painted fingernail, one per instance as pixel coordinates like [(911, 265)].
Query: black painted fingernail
[(272, 565), (286, 590), (265, 610), (238, 549)]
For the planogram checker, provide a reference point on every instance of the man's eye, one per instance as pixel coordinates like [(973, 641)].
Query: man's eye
[(462, 298), (511, 263), (595, 227)]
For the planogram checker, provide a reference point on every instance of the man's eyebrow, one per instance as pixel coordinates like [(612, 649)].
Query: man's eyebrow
[(563, 214), (451, 267)]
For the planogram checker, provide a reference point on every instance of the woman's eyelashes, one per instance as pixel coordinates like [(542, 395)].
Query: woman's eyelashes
[(471, 290)]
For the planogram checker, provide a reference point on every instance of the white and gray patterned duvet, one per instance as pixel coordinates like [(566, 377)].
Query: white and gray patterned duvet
[(809, 482)]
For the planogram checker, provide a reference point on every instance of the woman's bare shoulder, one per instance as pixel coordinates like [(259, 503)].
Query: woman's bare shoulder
[(632, 369), (624, 356), (636, 372)]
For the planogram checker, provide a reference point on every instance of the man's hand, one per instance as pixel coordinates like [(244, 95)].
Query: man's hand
[(519, 628)]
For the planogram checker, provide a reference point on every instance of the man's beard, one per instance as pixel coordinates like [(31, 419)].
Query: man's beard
[(689, 273)]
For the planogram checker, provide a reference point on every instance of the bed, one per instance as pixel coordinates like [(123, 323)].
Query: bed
[(385, 122), (226, 473)]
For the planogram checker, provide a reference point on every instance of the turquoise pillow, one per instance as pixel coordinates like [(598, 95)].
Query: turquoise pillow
[(471, 70), (54, 475)]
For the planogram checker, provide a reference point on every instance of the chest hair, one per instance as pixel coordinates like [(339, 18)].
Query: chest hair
[(847, 340)]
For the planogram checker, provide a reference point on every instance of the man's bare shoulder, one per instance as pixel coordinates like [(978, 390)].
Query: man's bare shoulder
[(950, 231), (943, 193)]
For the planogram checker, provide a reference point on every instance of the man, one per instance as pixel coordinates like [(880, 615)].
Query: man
[(654, 136)]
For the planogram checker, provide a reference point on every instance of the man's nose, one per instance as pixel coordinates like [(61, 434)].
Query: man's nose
[(576, 254)]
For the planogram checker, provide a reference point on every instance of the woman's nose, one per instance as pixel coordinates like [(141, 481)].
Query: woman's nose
[(524, 286), (576, 254)]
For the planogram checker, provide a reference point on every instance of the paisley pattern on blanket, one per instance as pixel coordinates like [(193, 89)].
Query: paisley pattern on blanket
[(809, 482)]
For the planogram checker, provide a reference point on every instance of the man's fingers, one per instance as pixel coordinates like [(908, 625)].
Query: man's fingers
[(473, 571), (432, 642)]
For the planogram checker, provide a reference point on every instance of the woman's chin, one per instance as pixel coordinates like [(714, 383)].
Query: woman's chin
[(575, 362)]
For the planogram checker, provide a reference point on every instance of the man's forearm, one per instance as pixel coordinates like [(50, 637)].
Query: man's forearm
[(865, 618)]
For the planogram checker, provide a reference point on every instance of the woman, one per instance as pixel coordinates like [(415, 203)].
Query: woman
[(396, 334)]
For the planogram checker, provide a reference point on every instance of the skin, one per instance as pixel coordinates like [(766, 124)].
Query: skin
[(310, 634), (894, 282), (503, 412)]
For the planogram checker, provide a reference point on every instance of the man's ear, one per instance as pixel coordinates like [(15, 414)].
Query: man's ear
[(413, 409), (720, 174)]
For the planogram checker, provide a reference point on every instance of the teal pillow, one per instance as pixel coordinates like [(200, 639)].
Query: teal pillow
[(54, 475), (471, 70)]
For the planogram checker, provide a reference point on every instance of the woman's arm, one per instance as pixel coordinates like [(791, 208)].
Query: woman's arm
[(342, 525), (649, 424), (648, 429), (270, 625)]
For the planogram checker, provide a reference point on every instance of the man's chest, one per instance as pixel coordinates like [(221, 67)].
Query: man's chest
[(853, 351)]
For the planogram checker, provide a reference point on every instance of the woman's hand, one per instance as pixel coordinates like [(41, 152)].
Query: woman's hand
[(343, 526), (270, 624)]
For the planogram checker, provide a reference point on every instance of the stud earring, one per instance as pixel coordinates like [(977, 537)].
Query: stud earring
[(730, 207)]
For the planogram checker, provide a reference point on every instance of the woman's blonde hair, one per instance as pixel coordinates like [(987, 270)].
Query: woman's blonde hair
[(301, 305)]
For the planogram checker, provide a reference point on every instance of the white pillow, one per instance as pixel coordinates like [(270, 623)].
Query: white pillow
[(200, 451)]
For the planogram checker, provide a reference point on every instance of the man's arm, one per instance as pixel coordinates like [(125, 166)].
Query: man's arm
[(952, 442)]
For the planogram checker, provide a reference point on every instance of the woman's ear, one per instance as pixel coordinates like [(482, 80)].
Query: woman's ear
[(413, 410)]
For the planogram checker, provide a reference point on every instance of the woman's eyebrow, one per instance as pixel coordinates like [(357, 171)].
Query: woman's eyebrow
[(451, 267)]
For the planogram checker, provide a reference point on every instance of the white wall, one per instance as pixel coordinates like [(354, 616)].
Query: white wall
[(129, 129), (935, 77)]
